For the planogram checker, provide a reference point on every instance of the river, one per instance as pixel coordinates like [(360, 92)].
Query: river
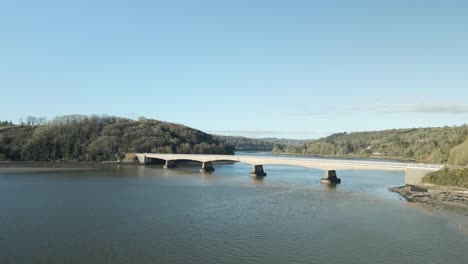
[(151, 215)]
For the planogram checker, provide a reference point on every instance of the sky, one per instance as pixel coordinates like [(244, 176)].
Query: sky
[(291, 69)]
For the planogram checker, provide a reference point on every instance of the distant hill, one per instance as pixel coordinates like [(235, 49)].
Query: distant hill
[(102, 138), (255, 144), (245, 144), (286, 141), (436, 145)]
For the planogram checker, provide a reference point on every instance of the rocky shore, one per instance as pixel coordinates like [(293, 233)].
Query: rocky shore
[(438, 197)]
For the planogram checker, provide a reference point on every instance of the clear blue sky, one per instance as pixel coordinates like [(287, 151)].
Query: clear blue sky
[(295, 69)]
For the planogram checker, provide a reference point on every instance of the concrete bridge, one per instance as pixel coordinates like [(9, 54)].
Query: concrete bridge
[(413, 171)]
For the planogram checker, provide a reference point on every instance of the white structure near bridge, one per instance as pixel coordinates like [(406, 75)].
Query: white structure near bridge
[(413, 171)]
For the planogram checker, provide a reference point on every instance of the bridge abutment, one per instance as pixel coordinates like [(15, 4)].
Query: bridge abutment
[(330, 177), (207, 167), (413, 176), (258, 171), (169, 164)]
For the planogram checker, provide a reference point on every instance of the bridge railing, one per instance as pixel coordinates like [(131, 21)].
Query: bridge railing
[(424, 165), (456, 167)]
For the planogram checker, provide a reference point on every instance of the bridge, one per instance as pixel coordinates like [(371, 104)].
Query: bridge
[(413, 171)]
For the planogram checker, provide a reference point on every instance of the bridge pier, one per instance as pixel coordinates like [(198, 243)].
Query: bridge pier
[(330, 177), (207, 166), (258, 171), (169, 164)]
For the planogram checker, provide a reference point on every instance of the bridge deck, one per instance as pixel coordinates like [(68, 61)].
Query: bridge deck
[(317, 163)]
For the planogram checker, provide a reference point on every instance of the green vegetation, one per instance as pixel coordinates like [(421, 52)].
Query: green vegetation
[(286, 141), (102, 138), (5, 124), (448, 176), (245, 144), (255, 144), (434, 145)]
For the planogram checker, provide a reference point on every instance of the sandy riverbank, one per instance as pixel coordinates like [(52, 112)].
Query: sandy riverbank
[(437, 197)]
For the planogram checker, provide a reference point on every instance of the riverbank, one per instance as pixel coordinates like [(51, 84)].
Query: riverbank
[(438, 197), (27, 166)]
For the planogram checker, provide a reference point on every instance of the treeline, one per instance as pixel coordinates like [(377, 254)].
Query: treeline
[(245, 144), (433, 145), (102, 138), (255, 144), (5, 123), (286, 141)]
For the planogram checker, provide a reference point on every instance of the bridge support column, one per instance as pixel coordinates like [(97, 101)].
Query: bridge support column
[(330, 177), (207, 167), (169, 164), (144, 160), (258, 171)]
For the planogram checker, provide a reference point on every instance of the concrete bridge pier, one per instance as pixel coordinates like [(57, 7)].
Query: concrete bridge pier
[(330, 177), (169, 164), (207, 166), (258, 171)]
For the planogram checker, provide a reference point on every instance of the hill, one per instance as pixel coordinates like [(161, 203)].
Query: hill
[(433, 145), (255, 144), (102, 138)]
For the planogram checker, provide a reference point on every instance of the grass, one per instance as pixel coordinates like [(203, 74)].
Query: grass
[(447, 176)]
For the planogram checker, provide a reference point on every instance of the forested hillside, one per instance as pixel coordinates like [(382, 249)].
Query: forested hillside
[(245, 144), (102, 138), (286, 141), (255, 144), (436, 145)]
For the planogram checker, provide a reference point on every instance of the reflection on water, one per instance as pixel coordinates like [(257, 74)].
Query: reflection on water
[(328, 186), (151, 215), (257, 181)]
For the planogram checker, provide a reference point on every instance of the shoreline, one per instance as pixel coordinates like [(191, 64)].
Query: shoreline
[(36, 166), (444, 198)]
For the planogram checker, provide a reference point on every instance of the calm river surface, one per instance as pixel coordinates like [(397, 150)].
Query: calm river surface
[(152, 215)]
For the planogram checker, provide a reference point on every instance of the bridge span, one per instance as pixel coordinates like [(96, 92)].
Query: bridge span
[(413, 171)]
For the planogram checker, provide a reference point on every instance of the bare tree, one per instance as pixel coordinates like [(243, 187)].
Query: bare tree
[(35, 121), (31, 120), (41, 121)]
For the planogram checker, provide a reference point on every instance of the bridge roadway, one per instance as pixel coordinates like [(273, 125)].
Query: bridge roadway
[(413, 171)]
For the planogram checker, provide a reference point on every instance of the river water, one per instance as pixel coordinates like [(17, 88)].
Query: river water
[(151, 215)]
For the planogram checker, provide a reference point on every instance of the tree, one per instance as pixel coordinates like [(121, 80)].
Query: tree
[(103, 148), (35, 121)]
